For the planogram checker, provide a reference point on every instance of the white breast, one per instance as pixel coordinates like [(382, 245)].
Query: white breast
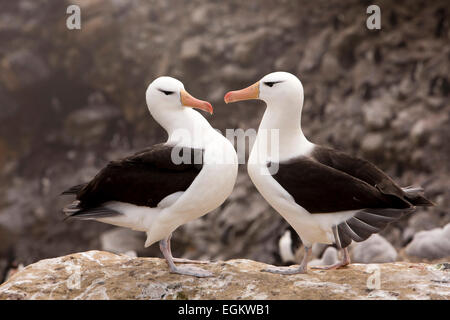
[(210, 188), (214, 183), (305, 224)]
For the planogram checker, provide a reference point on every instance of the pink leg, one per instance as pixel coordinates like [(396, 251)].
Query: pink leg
[(344, 262), (189, 271)]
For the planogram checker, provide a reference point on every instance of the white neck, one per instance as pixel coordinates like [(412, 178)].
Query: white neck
[(284, 120), (185, 127)]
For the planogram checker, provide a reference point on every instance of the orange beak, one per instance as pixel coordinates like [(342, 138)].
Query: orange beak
[(189, 101), (248, 93)]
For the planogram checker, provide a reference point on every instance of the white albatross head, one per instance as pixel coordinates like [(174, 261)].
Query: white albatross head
[(283, 94), (277, 89), (166, 94), (173, 108)]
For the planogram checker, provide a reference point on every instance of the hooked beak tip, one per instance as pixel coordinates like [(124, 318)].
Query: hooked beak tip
[(189, 101), (209, 108), (249, 93), (227, 97)]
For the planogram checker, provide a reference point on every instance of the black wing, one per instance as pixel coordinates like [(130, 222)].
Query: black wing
[(143, 179), (332, 181), (368, 172), (322, 189)]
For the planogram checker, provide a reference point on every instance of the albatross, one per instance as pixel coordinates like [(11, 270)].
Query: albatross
[(169, 184), (327, 196)]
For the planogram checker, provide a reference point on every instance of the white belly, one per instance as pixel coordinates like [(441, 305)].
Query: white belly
[(311, 228), (208, 191)]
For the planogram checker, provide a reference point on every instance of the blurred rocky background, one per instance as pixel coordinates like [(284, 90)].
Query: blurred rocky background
[(71, 100)]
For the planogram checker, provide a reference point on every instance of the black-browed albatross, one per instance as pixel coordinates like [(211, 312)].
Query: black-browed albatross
[(169, 184), (327, 196)]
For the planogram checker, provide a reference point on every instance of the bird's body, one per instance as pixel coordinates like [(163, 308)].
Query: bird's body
[(167, 185), (327, 196), (157, 196), (314, 195)]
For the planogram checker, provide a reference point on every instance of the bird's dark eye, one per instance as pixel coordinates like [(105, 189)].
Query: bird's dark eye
[(271, 83), (166, 92)]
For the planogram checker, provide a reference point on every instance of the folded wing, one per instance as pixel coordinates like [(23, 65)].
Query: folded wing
[(369, 173), (322, 189), (143, 179), (330, 181)]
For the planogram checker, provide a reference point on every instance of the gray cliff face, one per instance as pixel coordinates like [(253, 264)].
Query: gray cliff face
[(72, 100)]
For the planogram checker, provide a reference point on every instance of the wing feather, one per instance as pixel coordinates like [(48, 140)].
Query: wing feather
[(143, 179), (369, 173), (322, 189)]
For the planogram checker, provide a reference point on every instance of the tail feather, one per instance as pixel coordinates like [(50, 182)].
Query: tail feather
[(372, 220), (416, 197), (94, 213), (74, 189), (76, 211), (72, 208)]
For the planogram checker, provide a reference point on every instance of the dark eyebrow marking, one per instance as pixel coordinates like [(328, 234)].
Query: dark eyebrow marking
[(271, 83), (165, 92)]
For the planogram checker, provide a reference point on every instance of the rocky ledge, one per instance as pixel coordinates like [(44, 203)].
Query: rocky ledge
[(103, 275)]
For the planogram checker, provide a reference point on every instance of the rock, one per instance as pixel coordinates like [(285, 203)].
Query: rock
[(9, 105), (420, 221), (247, 45), (377, 113), (431, 244), (102, 275), (316, 47), (423, 128), (3, 268), (13, 270), (88, 125), (372, 143), (23, 68), (191, 48), (121, 240), (199, 15), (318, 249), (376, 249), (329, 257), (232, 73), (393, 235), (423, 220), (330, 68), (7, 240)]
